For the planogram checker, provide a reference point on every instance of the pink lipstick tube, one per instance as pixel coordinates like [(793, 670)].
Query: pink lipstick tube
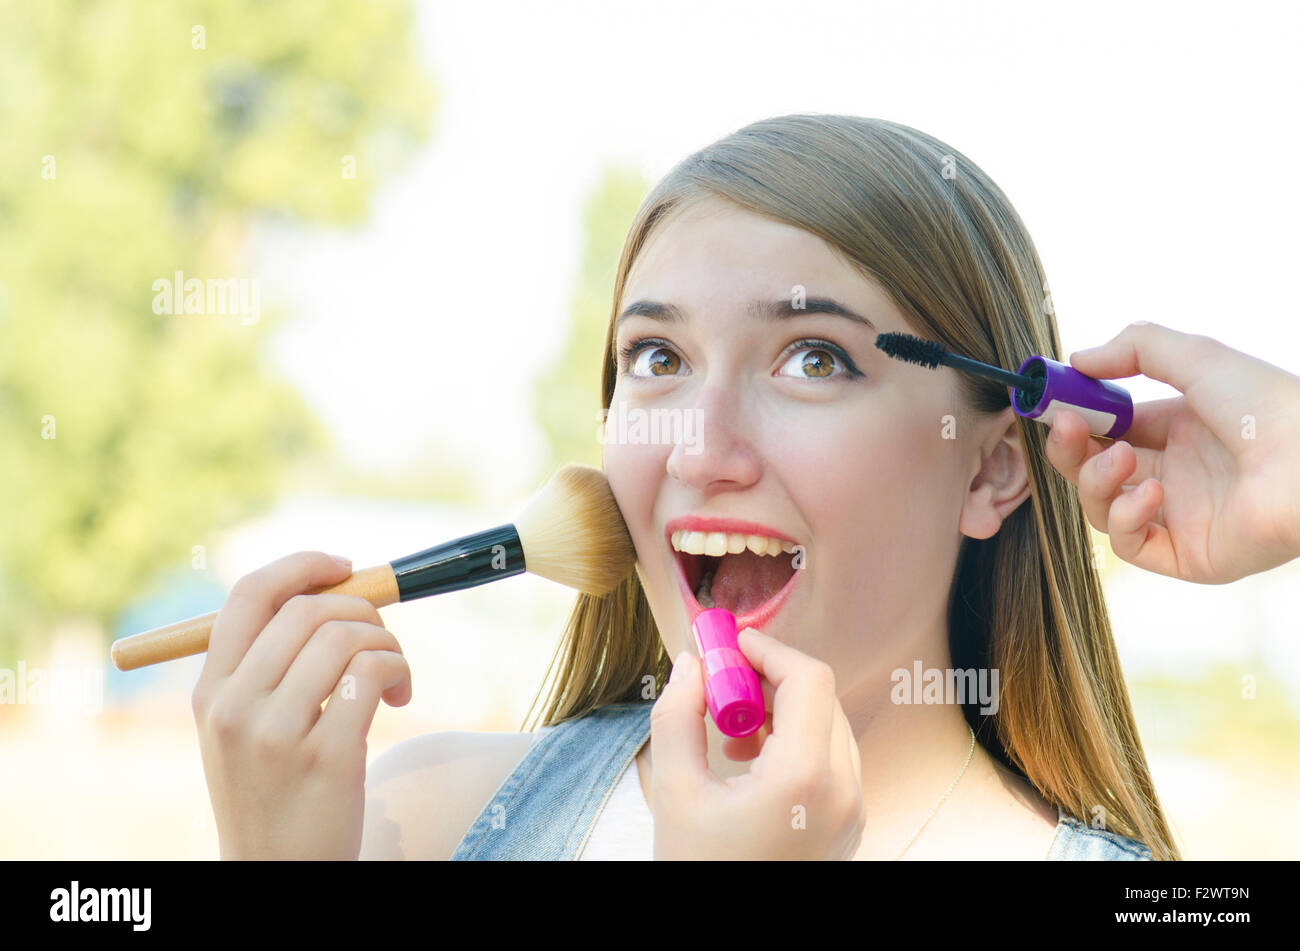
[(731, 687)]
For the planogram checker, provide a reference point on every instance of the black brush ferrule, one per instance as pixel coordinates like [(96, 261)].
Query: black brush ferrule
[(462, 563)]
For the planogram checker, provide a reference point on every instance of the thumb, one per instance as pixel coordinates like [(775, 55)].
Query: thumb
[(677, 725), (1158, 352)]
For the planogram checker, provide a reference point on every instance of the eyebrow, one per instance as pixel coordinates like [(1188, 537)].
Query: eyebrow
[(764, 310)]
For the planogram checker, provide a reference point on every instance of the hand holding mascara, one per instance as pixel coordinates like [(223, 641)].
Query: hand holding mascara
[(1204, 486)]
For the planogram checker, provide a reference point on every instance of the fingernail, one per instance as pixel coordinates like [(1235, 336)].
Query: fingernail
[(345, 562), (1105, 461), (1056, 434)]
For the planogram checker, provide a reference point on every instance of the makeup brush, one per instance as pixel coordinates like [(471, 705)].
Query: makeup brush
[(1038, 388), (571, 532)]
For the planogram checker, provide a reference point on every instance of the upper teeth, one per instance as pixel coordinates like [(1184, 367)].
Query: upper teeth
[(716, 544)]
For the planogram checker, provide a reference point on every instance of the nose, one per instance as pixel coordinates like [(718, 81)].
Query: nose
[(722, 456)]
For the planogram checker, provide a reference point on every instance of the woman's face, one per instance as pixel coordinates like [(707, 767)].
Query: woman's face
[(759, 416)]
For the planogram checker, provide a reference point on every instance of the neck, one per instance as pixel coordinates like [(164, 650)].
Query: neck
[(910, 754)]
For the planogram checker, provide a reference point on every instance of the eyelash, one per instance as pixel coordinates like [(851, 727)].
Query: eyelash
[(633, 347)]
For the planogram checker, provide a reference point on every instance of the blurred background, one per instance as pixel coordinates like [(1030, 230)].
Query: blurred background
[(417, 210)]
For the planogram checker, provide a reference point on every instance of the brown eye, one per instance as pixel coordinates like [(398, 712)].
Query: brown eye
[(659, 361), (818, 363), (811, 363)]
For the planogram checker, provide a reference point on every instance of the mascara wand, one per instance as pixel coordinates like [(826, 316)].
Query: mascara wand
[(1038, 388)]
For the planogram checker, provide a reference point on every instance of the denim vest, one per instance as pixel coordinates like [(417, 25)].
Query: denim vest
[(548, 806)]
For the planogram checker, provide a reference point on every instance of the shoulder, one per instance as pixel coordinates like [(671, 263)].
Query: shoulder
[(423, 793), (1077, 841), (998, 815), (1027, 822)]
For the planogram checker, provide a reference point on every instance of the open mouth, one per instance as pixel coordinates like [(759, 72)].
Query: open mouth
[(749, 575)]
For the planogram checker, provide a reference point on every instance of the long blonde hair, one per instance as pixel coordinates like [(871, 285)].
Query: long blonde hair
[(925, 222)]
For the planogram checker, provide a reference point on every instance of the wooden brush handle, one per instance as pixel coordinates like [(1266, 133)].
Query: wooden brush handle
[(377, 585)]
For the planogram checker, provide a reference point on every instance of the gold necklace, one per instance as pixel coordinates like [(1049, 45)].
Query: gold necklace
[(969, 753)]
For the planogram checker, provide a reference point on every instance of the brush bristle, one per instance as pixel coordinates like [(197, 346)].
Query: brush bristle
[(573, 532), (927, 353)]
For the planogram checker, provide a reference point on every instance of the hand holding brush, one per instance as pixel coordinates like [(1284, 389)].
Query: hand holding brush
[(285, 768), (571, 533)]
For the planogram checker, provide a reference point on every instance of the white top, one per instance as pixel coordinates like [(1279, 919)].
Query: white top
[(624, 830)]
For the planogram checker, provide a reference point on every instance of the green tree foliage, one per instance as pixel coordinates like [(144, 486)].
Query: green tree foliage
[(568, 394), (138, 139)]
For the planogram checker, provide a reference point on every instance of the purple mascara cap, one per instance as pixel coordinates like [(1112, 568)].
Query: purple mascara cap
[(1106, 407)]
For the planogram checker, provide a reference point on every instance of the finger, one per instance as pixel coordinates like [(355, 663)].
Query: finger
[(1220, 383), (254, 600), (1150, 427), (677, 732), (1135, 536), (1069, 444), (1070, 448), (743, 748), (1153, 350), (370, 674), (801, 707), (285, 635), (321, 666), (1103, 478), (841, 758)]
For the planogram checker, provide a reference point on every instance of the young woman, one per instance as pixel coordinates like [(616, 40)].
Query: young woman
[(878, 519), (933, 530)]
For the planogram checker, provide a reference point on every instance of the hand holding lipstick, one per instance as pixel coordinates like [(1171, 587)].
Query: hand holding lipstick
[(1204, 487), (802, 796)]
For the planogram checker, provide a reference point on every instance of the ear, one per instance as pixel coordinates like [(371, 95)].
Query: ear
[(1001, 479)]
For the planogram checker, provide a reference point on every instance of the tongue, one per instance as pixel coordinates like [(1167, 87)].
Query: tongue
[(745, 581)]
